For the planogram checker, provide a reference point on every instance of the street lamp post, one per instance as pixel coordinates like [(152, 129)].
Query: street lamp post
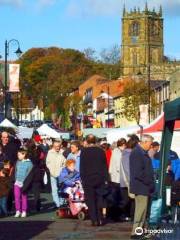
[(18, 53), (108, 90), (108, 107), (149, 75)]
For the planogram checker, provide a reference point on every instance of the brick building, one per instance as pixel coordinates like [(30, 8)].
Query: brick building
[(98, 93)]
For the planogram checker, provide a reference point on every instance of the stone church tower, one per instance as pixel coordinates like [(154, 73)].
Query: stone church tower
[(142, 40)]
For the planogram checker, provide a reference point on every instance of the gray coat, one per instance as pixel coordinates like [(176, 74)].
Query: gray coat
[(114, 168)]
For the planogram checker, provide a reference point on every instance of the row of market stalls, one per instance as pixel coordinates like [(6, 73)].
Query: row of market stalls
[(155, 128), (44, 130), (165, 129)]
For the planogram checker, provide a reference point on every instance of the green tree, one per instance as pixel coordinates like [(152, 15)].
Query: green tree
[(135, 94), (73, 106)]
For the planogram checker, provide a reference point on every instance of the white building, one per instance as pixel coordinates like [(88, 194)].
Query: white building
[(31, 115)]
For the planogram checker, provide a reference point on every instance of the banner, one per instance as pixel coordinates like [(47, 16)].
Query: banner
[(14, 70), (143, 109)]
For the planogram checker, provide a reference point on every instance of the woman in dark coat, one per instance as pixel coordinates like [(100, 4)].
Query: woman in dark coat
[(94, 175)]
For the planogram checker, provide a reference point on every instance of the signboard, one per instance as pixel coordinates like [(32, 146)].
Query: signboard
[(143, 109), (14, 70)]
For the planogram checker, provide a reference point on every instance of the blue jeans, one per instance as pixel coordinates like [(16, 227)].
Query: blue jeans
[(3, 205), (54, 188)]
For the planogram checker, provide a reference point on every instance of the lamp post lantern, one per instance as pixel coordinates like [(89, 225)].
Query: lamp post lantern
[(18, 53)]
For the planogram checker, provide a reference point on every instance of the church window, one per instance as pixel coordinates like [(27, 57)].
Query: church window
[(134, 29), (154, 29)]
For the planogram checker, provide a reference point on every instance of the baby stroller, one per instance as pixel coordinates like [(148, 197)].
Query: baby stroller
[(74, 204)]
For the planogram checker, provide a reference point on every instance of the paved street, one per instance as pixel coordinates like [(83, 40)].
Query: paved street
[(47, 226), (61, 230)]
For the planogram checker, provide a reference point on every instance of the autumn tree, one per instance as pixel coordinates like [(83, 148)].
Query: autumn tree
[(48, 74), (52, 72)]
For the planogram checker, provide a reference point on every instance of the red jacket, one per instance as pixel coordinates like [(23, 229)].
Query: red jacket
[(108, 156)]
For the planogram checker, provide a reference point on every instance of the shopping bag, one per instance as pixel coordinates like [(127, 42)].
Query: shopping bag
[(155, 213), (45, 178)]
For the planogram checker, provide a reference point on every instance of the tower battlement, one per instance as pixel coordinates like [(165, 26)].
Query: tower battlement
[(136, 11), (142, 39)]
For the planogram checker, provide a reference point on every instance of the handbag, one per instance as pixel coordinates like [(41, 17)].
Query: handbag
[(155, 212)]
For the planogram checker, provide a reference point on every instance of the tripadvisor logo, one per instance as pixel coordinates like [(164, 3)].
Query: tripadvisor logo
[(139, 231)]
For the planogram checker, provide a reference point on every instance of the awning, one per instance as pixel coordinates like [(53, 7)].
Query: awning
[(45, 130), (158, 125), (8, 124), (98, 132)]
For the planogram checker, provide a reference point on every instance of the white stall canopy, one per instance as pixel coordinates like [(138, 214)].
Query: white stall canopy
[(45, 130), (7, 123)]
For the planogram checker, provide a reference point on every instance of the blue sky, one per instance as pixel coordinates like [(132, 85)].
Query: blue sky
[(78, 24)]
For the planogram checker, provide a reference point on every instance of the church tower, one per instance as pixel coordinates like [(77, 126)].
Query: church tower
[(142, 40)]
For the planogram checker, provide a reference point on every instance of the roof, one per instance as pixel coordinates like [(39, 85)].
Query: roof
[(98, 84), (158, 83), (97, 78)]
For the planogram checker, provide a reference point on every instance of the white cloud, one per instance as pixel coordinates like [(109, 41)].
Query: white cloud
[(36, 3), (44, 3), (16, 3), (114, 7)]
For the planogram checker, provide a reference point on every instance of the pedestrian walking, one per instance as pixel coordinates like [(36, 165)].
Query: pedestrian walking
[(22, 169), (94, 175), (55, 162), (114, 172), (9, 150), (141, 181)]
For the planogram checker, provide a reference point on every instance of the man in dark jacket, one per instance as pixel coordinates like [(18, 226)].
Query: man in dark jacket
[(94, 174), (9, 148), (141, 181)]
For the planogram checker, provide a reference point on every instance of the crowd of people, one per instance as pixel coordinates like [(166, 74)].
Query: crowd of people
[(118, 181)]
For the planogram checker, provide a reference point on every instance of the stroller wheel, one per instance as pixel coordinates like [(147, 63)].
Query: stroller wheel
[(60, 213), (81, 215)]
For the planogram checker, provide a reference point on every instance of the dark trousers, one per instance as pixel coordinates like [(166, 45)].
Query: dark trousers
[(36, 189), (94, 202), (10, 199), (127, 204), (113, 209)]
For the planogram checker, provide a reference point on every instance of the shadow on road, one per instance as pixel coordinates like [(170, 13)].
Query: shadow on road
[(22, 230)]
